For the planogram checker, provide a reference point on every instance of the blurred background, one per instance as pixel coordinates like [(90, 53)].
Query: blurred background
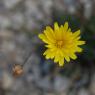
[(20, 23)]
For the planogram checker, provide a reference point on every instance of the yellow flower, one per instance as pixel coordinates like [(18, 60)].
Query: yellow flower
[(61, 43)]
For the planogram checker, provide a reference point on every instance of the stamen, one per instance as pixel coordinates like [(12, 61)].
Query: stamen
[(59, 44)]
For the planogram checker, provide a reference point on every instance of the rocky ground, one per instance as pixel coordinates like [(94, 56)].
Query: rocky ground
[(20, 23)]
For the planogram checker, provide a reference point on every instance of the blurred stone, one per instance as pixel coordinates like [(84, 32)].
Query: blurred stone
[(45, 84), (61, 84), (33, 65), (10, 3), (37, 11), (7, 81), (2, 91), (68, 6), (5, 34), (34, 14), (17, 20), (49, 93), (92, 85), (4, 21), (83, 91), (88, 7)]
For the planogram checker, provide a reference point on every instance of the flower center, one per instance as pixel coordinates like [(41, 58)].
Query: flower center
[(59, 44)]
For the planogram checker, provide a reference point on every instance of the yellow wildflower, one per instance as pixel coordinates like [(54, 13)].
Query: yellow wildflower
[(61, 43)]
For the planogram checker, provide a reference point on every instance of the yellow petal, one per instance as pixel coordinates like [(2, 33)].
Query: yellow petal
[(50, 46), (73, 56), (57, 57), (69, 30), (47, 56), (77, 33), (67, 58), (51, 32), (78, 49), (57, 31), (61, 62), (66, 26), (56, 27), (52, 55), (77, 38), (47, 51), (43, 38), (80, 42), (49, 36)]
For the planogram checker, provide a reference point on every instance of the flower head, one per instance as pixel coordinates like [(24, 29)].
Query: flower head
[(61, 43)]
